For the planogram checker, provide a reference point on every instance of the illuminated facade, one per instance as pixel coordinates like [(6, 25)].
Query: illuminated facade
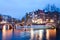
[(38, 17)]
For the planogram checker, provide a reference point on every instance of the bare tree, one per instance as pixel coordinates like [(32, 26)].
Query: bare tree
[(51, 8)]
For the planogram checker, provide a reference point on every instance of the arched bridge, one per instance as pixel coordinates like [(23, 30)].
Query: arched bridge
[(11, 26)]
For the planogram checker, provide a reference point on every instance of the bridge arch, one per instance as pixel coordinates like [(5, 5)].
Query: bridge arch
[(19, 25), (7, 26)]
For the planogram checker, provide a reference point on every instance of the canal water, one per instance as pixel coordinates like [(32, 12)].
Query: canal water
[(46, 34)]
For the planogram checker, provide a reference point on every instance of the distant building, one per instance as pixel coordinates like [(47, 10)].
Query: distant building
[(6, 18)]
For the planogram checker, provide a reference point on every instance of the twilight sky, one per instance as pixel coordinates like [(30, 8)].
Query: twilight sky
[(18, 8)]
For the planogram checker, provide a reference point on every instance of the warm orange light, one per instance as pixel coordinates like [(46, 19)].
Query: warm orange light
[(32, 34), (47, 19), (34, 21), (47, 34), (6, 33), (40, 34), (51, 20), (52, 32), (39, 21), (4, 27)]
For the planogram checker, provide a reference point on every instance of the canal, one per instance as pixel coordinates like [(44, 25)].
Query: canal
[(43, 34)]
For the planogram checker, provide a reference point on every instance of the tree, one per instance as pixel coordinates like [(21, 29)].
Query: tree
[(23, 19), (27, 16), (47, 8), (51, 8)]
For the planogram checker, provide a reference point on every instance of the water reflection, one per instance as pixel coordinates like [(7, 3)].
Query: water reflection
[(6, 34), (32, 34), (41, 34), (29, 35), (49, 34)]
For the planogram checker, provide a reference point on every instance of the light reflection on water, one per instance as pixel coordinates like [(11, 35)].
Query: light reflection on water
[(40, 34), (33, 34), (47, 34), (6, 34)]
